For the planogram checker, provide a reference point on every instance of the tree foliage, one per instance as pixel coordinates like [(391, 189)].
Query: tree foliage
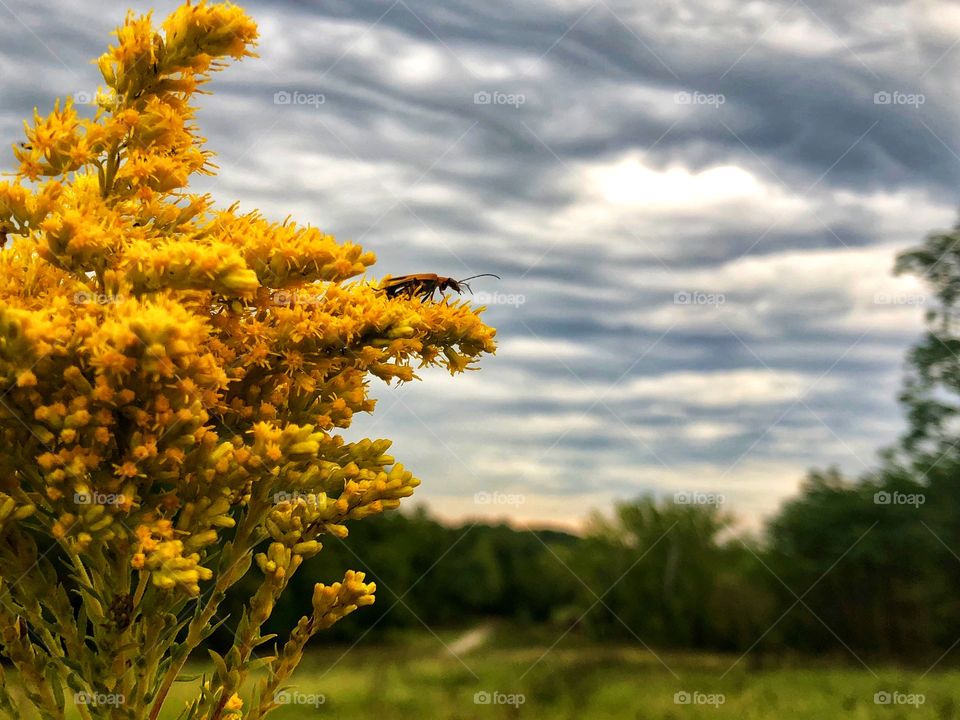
[(931, 393)]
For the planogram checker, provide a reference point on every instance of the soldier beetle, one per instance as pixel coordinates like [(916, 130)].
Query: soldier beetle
[(425, 285)]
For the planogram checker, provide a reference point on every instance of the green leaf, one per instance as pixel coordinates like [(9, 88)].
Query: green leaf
[(219, 663)]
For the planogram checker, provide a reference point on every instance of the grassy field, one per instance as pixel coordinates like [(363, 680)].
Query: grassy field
[(414, 676)]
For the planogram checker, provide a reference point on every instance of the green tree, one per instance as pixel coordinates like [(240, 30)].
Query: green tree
[(661, 570), (931, 394)]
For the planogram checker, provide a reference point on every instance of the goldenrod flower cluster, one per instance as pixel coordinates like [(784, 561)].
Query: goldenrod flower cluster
[(172, 379)]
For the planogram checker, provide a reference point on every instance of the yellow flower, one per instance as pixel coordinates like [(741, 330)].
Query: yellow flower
[(189, 362), (127, 469)]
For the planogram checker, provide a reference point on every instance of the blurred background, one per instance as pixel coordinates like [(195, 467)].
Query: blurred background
[(712, 469)]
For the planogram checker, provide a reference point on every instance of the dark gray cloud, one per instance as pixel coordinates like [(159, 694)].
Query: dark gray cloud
[(694, 206)]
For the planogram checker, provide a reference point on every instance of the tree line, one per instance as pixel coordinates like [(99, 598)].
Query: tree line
[(863, 567)]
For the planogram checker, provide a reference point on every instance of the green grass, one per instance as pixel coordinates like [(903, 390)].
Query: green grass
[(414, 677)]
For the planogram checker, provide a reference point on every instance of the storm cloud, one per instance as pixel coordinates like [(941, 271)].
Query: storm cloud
[(694, 207)]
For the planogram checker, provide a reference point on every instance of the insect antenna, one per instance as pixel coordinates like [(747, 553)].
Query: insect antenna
[(464, 281), (481, 275)]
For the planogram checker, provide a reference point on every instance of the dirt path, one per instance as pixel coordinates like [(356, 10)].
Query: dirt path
[(470, 640)]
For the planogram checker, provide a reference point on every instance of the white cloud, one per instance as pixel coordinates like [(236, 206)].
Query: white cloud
[(630, 184), (718, 389)]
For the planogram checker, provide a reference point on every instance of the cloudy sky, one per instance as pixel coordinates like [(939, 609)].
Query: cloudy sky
[(694, 206)]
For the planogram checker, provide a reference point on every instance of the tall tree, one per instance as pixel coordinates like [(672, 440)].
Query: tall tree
[(931, 394)]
